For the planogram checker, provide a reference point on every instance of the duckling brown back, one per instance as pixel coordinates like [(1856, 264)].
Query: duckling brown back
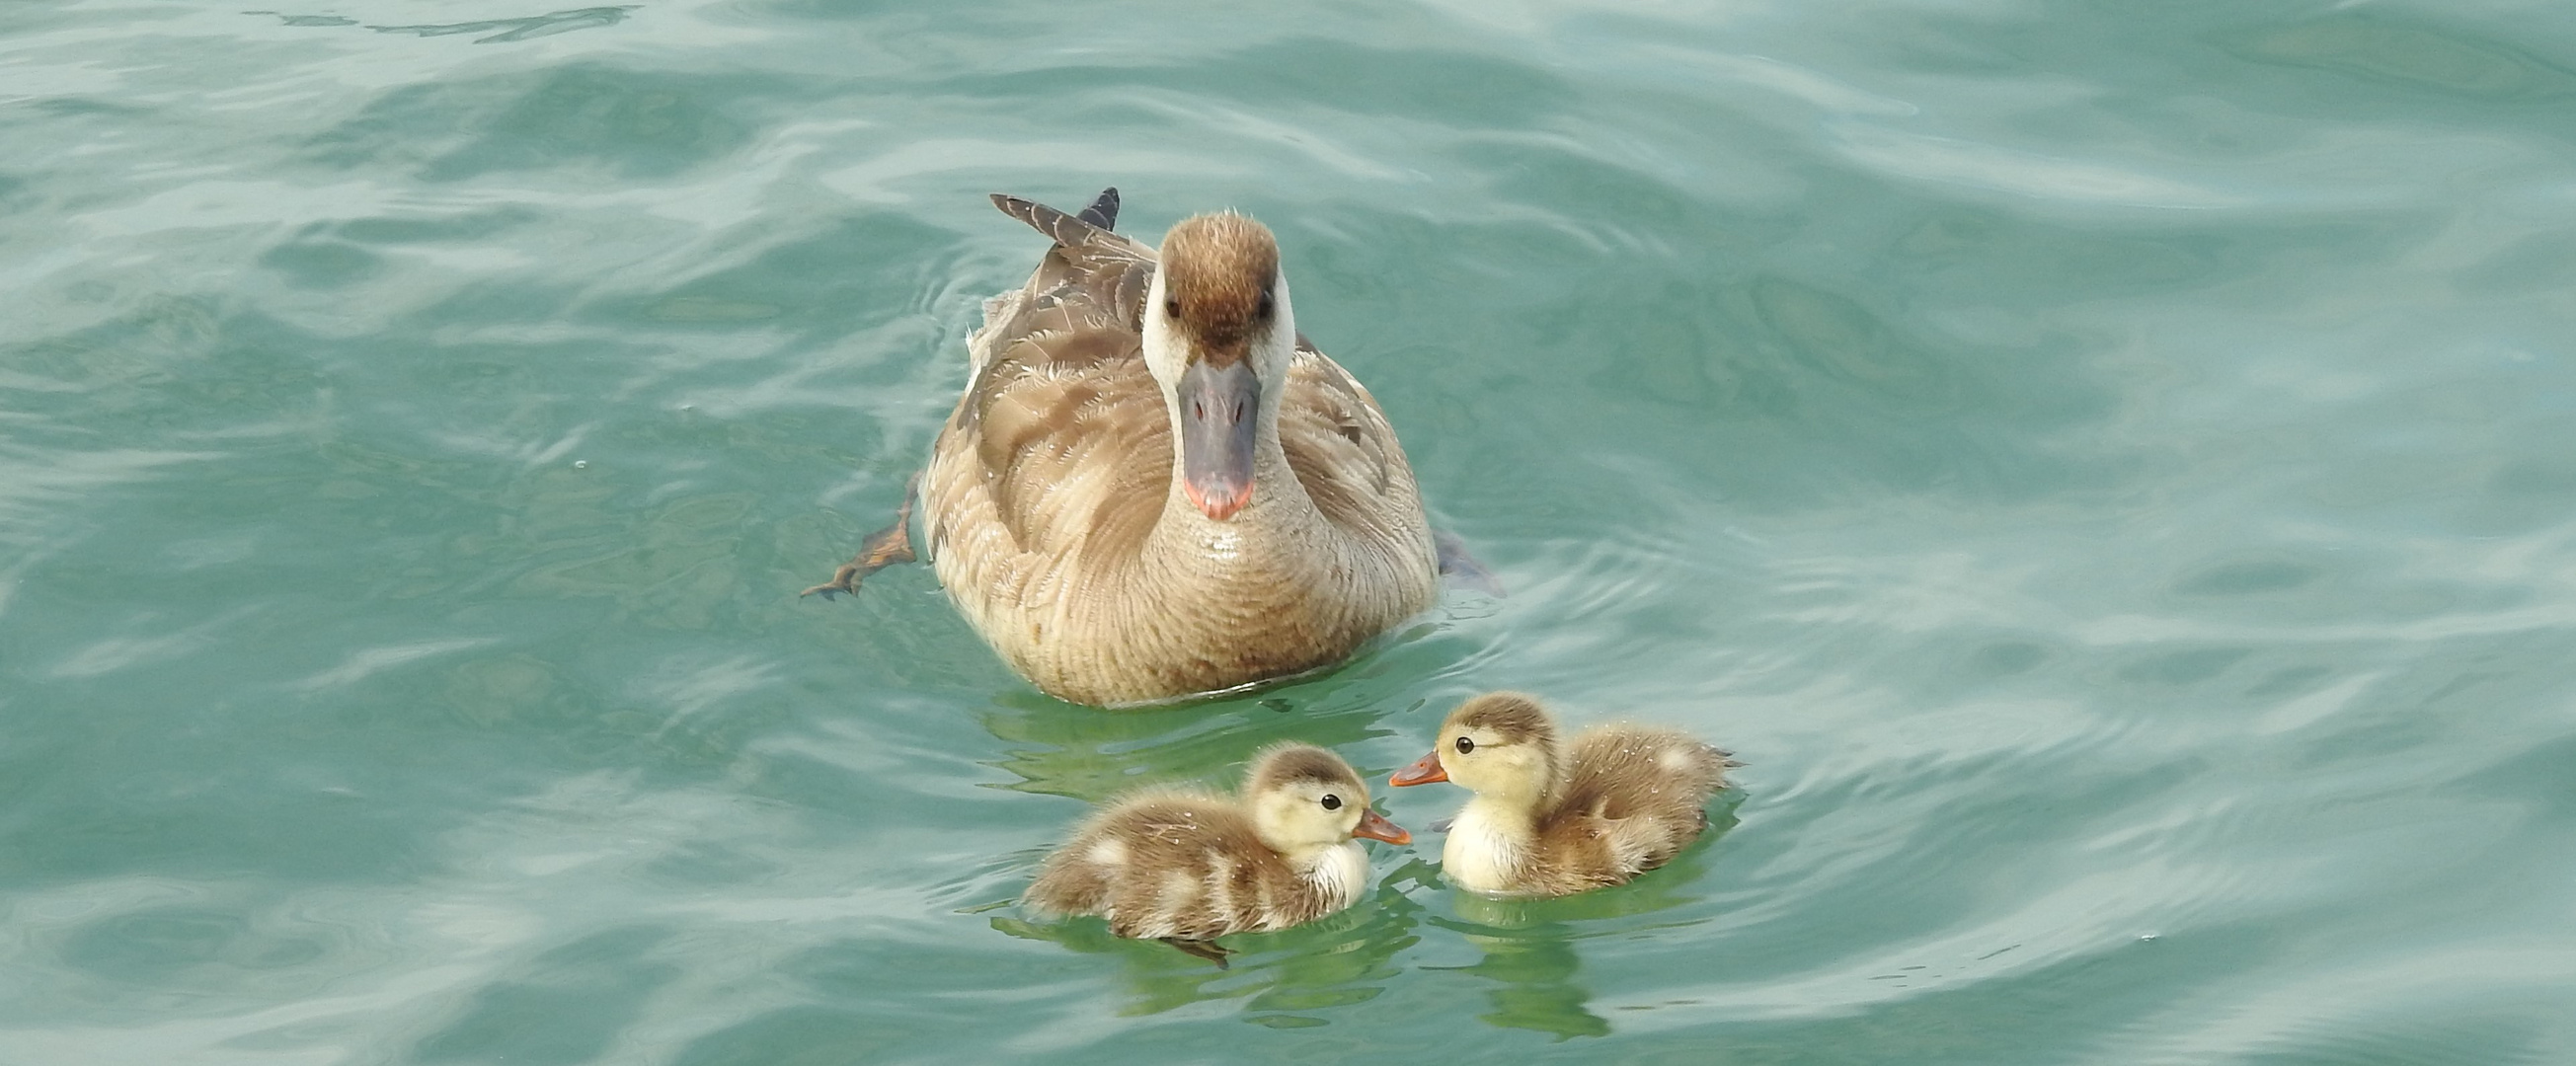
[(1636, 795), (1172, 864)]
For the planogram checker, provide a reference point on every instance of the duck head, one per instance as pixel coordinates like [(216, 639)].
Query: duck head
[(1304, 798), (1499, 745), (1219, 337)]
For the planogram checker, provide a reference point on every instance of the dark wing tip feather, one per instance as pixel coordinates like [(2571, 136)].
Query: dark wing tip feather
[(1103, 211), (1065, 229)]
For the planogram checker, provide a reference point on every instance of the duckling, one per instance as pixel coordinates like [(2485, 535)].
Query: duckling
[(1186, 866), (1154, 486), (1551, 820)]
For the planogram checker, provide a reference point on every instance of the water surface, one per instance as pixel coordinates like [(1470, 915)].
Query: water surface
[(2107, 468)]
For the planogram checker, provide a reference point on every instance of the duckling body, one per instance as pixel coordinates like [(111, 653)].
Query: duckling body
[(1154, 487), (1193, 866), (1550, 819)]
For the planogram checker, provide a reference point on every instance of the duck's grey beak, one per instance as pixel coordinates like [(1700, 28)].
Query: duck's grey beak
[(1219, 406)]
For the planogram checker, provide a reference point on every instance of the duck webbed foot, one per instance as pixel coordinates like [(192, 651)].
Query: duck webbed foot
[(1461, 568), (881, 549), (1205, 949)]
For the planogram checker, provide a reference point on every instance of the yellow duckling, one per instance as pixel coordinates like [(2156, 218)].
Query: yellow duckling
[(1551, 820), (1187, 866)]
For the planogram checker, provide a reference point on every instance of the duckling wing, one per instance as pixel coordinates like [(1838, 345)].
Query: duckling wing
[(1119, 847), (1639, 792), (1344, 451), (1173, 865)]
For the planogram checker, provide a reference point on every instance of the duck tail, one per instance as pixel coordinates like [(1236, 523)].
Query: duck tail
[(1071, 231)]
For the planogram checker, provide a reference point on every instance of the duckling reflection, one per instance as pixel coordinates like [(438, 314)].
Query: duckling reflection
[(1534, 971), (1551, 819), (1186, 866), (1290, 979), (1531, 945)]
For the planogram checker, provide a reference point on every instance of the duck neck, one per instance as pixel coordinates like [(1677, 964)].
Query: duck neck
[(1509, 815), (1338, 872)]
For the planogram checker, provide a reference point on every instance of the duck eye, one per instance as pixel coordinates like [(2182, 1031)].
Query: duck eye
[(1465, 745), (1172, 307), (1332, 802), (1263, 309)]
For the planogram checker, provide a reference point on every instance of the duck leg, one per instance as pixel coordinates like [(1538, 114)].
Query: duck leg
[(1205, 949), (881, 549)]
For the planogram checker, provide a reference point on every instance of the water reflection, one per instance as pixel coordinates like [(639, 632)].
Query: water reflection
[(1529, 944), (1287, 979), (1092, 755), (1065, 750)]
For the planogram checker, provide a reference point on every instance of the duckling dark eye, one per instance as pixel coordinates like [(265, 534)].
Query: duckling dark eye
[(1332, 803), (1172, 307), (1263, 308), (1465, 745)]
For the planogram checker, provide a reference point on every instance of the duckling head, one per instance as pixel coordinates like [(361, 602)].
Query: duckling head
[(1500, 745), (1219, 337), (1304, 799)]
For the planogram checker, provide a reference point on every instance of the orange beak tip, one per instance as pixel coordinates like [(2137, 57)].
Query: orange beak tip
[(1220, 507)]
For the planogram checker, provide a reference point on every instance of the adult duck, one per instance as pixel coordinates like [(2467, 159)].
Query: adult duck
[(1154, 487)]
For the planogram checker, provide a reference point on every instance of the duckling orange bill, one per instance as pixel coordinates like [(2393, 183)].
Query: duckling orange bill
[(1425, 770), (1375, 827)]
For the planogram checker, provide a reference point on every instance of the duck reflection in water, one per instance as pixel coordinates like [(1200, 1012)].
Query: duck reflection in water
[(1531, 946), (1060, 750)]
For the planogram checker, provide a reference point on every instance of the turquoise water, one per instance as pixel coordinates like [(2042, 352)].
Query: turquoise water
[(2108, 469)]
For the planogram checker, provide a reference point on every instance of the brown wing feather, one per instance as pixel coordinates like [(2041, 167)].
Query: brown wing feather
[(1060, 384), (1056, 409), (1633, 798), (1341, 446)]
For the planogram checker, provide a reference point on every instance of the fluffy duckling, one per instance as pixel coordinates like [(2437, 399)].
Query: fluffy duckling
[(1551, 819), (1187, 866)]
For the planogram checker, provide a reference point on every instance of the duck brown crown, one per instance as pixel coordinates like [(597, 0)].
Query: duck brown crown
[(1219, 273), (1508, 717), (1291, 762)]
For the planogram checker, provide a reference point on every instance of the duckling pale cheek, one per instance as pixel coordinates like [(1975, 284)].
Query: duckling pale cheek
[(1108, 852)]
